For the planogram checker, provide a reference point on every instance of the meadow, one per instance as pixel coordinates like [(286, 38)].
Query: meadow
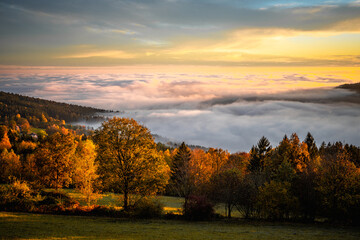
[(45, 226), (37, 226), (171, 204)]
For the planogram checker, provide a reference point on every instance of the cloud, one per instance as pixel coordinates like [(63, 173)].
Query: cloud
[(215, 109), (176, 32), (108, 54), (240, 125)]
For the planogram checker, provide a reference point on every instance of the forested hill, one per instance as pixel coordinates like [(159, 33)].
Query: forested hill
[(12, 104), (353, 87)]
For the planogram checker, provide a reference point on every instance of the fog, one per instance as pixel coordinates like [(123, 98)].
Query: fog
[(209, 110)]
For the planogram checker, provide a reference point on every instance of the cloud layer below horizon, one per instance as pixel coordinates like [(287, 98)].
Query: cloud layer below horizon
[(213, 110)]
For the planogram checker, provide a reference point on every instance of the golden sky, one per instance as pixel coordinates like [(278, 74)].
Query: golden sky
[(180, 32)]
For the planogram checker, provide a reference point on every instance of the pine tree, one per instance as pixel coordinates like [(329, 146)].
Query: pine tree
[(312, 148), (258, 154), (181, 179)]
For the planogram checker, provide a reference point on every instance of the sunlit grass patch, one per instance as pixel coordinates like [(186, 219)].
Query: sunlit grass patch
[(8, 215), (176, 211)]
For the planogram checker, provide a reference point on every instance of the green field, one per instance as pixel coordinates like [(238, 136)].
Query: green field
[(35, 226), (171, 204)]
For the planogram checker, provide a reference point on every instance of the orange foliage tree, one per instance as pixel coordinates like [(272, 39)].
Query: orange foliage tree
[(54, 160), (128, 160), (5, 141), (10, 165), (85, 169)]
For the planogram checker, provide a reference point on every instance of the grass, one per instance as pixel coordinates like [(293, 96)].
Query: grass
[(35, 226), (171, 204), (36, 130)]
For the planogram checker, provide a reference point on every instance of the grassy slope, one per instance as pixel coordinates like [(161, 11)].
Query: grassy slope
[(34, 226)]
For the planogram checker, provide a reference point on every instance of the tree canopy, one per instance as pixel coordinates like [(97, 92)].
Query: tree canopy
[(128, 160)]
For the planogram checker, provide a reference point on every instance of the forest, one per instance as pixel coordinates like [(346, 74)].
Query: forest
[(296, 180), (33, 109)]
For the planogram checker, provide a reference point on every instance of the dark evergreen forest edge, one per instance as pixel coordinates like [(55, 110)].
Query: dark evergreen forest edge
[(40, 156)]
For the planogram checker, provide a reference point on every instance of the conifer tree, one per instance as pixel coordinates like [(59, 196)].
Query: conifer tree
[(181, 178), (312, 148), (258, 154)]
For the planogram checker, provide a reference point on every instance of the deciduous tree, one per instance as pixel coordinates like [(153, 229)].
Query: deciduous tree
[(128, 160), (10, 165), (85, 169), (225, 187), (54, 160), (4, 139)]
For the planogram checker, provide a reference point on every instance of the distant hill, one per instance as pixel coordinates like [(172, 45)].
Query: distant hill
[(353, 87), (167, 143), (28, 107)]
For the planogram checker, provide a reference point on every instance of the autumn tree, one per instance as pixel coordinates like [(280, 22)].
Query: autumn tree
[(54, 160), (85, 169), (218, 158), (225, 187), (24, 125), (200, 169), (276, 201), (338, 183), (26, 147), (128, 160), (239, 160), (4, 139), (290, 151), (10, 165), (247, 195), (354, 154)]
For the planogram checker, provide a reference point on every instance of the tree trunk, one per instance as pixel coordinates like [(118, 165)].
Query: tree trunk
[(229, 210), (126, 197)]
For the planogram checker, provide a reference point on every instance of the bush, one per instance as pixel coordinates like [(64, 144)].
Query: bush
[(105, 211), (16, 197), (198, 208), (55, 198), (147, 208)]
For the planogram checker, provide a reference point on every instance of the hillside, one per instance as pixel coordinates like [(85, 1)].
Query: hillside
[(353, 87), (12, 104)]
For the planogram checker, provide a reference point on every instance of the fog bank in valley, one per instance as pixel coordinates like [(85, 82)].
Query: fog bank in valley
[(209, 110)]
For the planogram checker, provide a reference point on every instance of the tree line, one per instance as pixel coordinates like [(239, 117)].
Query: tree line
[(294, 180)]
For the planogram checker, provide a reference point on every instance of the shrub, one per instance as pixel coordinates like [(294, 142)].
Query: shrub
[(147, 208), (52, 198), (16, 197), (198, 208), (105, 211)]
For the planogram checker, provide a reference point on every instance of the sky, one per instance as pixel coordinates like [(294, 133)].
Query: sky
[(216, 73), (195, 32)]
